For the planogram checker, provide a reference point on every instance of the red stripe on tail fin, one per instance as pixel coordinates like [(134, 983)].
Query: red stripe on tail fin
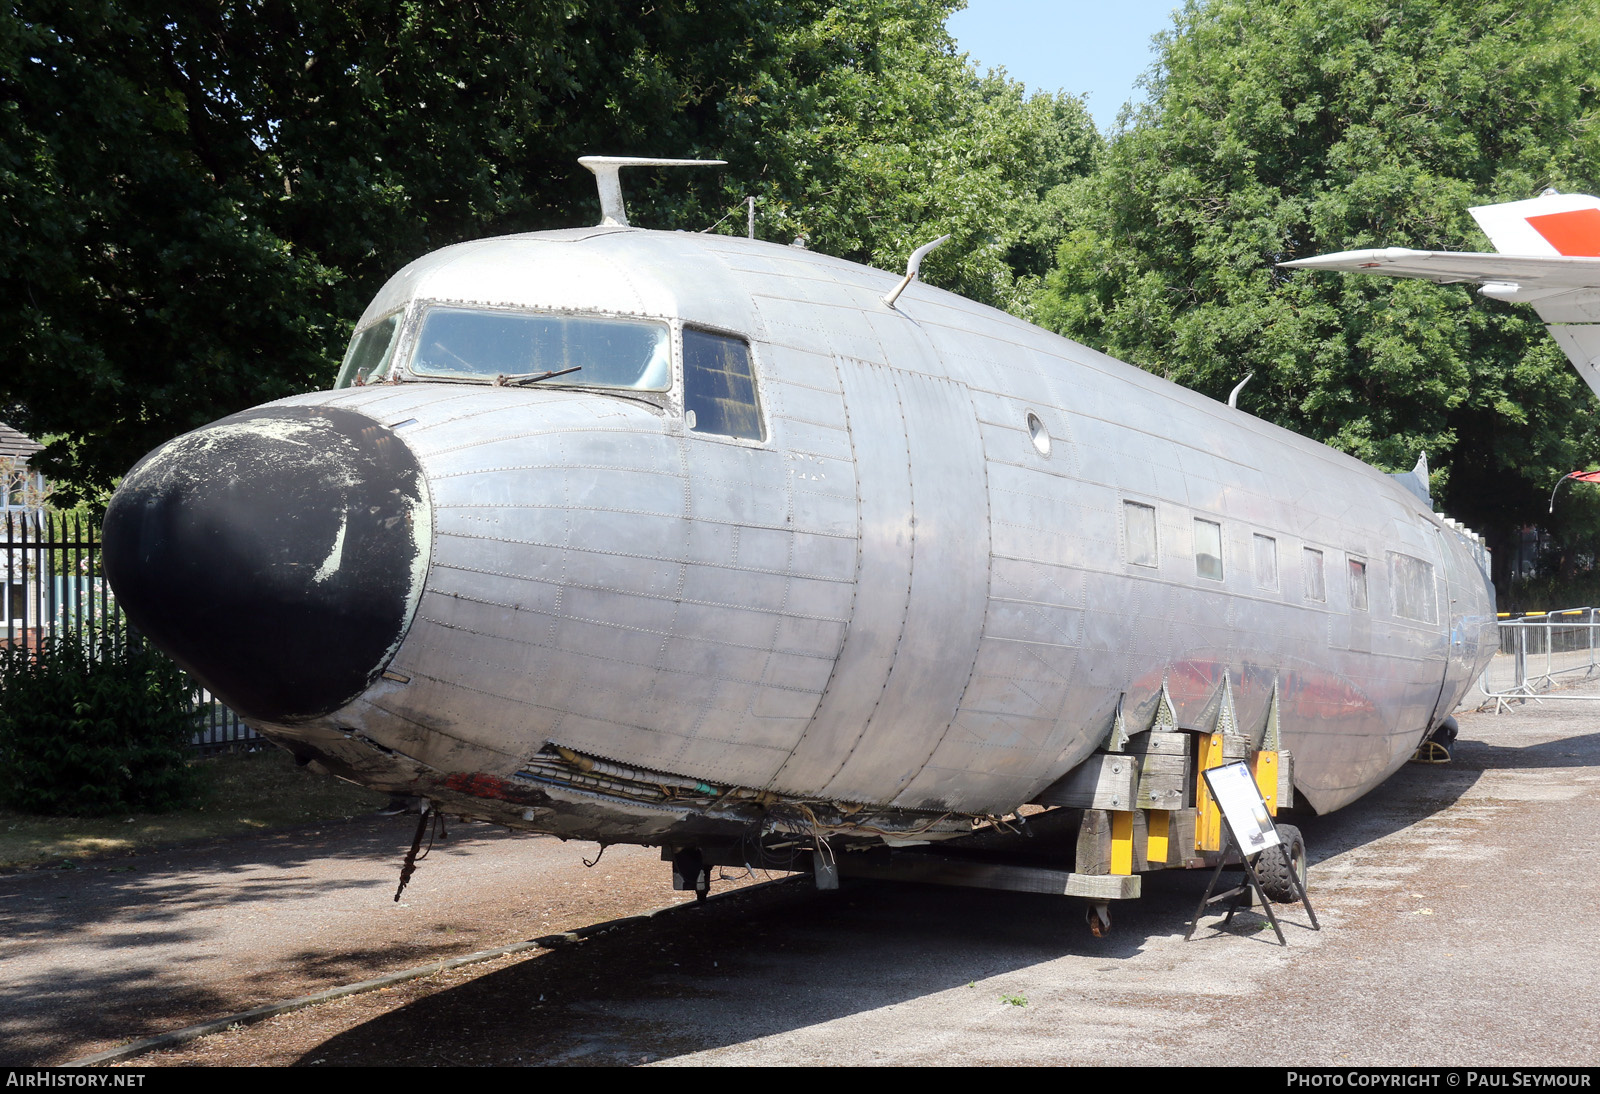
[(1575, 233)]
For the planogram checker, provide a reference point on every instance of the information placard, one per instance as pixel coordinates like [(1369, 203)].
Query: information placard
[(1240, 798)]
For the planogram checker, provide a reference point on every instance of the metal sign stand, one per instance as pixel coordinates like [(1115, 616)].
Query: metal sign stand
[(1223, 793)]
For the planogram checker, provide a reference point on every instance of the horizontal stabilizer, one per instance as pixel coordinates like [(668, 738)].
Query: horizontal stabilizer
[(1531, 272), (1549, 257)]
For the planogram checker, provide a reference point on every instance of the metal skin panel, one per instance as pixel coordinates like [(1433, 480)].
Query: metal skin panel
[(802, 403), (1169, 626), (882, 583), (648, 579), (944, 611), (1462, 582), (802, 438), (895, 599)]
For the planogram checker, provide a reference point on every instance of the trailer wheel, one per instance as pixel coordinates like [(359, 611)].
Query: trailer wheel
[(1273, 866), (1445, 732)]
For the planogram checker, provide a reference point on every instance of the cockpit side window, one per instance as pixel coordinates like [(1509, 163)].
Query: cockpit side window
[(719, 386), (367, 360)]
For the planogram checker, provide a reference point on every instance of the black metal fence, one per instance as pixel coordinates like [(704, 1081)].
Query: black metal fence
[(51, 585)]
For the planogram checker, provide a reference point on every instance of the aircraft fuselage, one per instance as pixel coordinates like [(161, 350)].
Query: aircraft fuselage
[(799, 559)]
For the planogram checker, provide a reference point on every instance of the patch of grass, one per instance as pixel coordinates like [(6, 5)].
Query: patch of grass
[(244, 792), (1015, 1000)]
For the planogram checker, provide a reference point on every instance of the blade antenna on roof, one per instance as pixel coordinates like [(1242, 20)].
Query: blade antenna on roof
[(612, 211)]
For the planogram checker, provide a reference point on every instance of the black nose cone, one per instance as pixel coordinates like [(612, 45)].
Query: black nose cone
[(277, 555)]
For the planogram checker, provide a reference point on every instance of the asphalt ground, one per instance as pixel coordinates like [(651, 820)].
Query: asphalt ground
[(1459, 907)]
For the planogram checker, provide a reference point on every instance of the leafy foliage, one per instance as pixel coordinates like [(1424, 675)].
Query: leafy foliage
[(1279, 129), (873, 137), (91, 728), (200, 198)]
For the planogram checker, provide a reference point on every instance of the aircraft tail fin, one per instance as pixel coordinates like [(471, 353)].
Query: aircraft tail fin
[(1551, 224), (1548, 255), (1416, 480)]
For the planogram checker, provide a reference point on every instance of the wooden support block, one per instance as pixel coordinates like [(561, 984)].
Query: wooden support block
[(1160, 743), (1109, 887), (1180, 836), (1235, 747), (1164, 770), (1141, 839), (1264, 766), (1121, 841), (938, 870), (1163, 790), (1106, 780), (1158, 824), (1094, 843)]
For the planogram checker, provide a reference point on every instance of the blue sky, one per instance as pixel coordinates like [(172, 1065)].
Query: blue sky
[(1066, 45)]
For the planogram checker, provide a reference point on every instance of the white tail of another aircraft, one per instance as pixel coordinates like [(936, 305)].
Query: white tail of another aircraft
[(1549, 256)]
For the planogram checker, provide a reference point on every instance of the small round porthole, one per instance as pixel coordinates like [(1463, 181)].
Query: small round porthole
[(1038, 434)]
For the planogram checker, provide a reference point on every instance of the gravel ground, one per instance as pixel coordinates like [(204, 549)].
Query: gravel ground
[(1459, 911)]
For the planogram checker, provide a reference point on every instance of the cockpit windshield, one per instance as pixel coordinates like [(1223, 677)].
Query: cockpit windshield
[(480, 344)]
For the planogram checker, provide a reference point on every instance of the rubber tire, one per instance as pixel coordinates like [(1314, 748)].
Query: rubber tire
[(1445, 732), (1272, 866)]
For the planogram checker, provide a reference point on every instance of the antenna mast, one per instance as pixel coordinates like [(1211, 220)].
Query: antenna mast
[(913, 266), (612, 211)]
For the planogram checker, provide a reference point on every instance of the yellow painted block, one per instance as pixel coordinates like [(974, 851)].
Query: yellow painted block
[(1264, 766), (1156, 845), (1208, 817), (1121, 842)]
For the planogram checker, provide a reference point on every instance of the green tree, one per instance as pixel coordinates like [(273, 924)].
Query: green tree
[(873, 137), (198, 199), (1279, 129)]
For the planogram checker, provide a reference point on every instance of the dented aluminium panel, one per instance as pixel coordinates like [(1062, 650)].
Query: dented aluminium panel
[(686, 539)]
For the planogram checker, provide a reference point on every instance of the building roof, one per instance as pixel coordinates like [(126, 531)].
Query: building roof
[(13, 443)]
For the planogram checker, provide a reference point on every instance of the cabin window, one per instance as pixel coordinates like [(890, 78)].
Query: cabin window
[(1316, 578), (511, 347), (719, 386), (1266, 560), (1208, 549), (1358, 585), (1411, 584), (1038, 434), (1141, 528), (367, 360)]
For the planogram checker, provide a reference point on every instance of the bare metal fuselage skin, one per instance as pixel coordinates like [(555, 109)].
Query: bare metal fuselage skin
[(900, 603)]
